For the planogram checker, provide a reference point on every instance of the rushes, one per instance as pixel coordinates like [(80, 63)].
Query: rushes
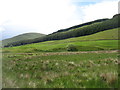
[(61, 70)]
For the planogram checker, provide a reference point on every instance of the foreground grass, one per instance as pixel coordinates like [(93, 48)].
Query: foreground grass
[(61, 70)]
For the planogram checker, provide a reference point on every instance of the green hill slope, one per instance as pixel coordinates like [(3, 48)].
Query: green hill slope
[(26, 36), (105, 40), (111, 34)]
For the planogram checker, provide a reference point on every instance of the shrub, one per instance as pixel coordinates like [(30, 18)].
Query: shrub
[(71, 47)]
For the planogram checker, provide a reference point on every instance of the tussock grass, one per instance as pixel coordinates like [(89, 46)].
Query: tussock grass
[(46, 70)]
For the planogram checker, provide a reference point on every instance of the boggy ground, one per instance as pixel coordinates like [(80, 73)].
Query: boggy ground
[(87, 69)]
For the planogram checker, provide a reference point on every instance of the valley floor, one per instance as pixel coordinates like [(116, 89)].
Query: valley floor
[(86, 69)]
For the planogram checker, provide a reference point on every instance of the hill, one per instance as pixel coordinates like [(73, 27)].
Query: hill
[(105, 40), (25, 36), (75, 31)]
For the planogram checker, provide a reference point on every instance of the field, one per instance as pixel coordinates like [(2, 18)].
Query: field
[(52, 46), (106, 40), (90, 69)]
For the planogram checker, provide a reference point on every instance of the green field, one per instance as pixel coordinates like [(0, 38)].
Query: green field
[(55, 47), (61, 70), (106, 40)]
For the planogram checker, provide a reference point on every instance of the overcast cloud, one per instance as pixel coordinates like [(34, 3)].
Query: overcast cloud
[(47, 16)]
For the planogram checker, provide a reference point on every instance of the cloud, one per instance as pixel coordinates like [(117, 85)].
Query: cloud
[(44, 16), (47, 16), (104, 9)]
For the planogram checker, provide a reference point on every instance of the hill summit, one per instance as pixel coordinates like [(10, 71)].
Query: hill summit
[(21, 37)]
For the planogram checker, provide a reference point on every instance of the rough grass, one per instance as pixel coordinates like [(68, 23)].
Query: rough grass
[(61, 70)]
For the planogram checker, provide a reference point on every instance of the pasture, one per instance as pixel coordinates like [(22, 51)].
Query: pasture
[(105, 40), (57, 46)]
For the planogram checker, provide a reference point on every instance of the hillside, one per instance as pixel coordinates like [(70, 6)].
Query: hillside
[(105, 40), (75, 31), (50, 65), (25, 36), (111, 34)]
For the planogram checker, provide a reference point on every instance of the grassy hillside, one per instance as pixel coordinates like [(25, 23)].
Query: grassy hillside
[(22, 37), (105, 40), (111, 34), (77, 31)]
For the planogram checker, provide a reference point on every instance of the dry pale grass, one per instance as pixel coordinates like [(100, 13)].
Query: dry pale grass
[(110, 77)]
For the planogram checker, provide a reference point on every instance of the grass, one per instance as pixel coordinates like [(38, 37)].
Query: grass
[(49, 64), (60, 70), (52, 46), (106, 40)]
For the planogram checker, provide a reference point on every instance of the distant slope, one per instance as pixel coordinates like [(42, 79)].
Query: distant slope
[(26, 36), (105, 40), (76, 31)]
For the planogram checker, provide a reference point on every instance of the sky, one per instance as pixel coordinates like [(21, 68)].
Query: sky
[(47, 16)]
